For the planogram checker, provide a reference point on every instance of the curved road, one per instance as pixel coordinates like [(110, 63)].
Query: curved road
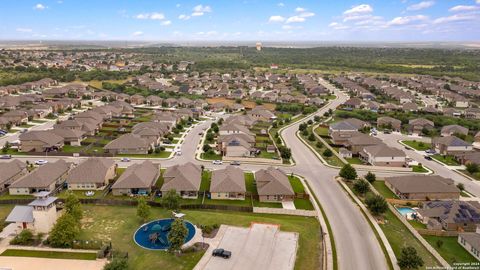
[(356, 245)]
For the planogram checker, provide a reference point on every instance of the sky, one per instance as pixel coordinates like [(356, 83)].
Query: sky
[(242, 20)]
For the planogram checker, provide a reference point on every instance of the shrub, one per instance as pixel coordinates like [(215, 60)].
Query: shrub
[(348, 172), (24, 238), (370, 177), (376, 204), (361, 186), (327, 153)]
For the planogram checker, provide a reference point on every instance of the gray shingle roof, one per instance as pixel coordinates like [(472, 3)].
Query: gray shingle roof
[(272, 181), (43, 176), (422, 184), (20, 213), (230, 179), (143, 175), (186, 177), (93, 170)]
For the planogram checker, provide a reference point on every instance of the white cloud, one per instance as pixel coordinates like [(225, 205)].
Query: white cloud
[(455, 18), (178, 5), (360, 9), (463, 8), (200, 10), (338, 26), (406, 20), (282, 4), (276, 19), (300, 9), (306, 14), (166, 23), (478, 1), (150, 16), (295, 19), (421, 5), (39, 7), (137, 33), (183, 17), (23, 30)]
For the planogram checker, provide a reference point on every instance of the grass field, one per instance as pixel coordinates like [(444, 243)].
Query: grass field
[(117, 224), (384, 190), (420, 146), (450, 249), (50, 254), (447, 160), (333, 160), (355, 160)]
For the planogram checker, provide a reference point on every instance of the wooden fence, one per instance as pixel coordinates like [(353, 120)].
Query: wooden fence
[(437, 232)]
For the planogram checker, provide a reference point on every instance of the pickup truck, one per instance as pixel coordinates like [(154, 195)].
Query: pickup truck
[(220, 252)]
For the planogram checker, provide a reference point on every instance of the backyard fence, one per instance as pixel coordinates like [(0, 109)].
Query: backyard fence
[(437, 233)]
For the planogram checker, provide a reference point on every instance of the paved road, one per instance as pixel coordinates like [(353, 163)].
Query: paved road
[(392, 140)]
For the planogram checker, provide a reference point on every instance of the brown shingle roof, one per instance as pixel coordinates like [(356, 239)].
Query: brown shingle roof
[(230, 179), (93, 170)]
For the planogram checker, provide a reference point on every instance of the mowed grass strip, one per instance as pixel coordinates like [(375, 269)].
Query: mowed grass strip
[(50, 254)]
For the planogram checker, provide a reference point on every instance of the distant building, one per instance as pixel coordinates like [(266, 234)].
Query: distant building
[(259, 46)]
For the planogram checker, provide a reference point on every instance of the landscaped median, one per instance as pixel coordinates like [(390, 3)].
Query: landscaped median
[(47, 254)]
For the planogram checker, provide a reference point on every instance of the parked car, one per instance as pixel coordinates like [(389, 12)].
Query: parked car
[(428, 157), (217, 162), (235, 163), (430, 152), (178, 153), (387, 131), (220, 252), (41, 162), (6, 157), (125, 159), (23, 130)]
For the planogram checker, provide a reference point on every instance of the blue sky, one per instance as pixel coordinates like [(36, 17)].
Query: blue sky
[(231, 20)]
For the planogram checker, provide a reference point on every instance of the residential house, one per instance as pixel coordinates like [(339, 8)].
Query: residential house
[(383, 155), (46, 178), (273, 186), (92, 174), (472, 113), (128, 144), (260, 113), (40, 141), (453, 215), (228, 184), (184, 179), (70, 136), (386, 122), (451, 145), (423, 187), (137, 179), (470, 241), (452, 130), (416, 126), (17, 118), (11, 171), (357, 143)]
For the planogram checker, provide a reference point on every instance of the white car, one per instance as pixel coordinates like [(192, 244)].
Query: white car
[(217, 162), (41, 162), (125, 159), (89, 193), (178, 153)]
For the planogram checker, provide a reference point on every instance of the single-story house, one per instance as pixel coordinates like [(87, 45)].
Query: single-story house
[(228, 184), (470, 241), (273, 186), (184, 179), (423, 187), (383, 155), (416, 126), (11, 171), (450, 145), (387, 122), (453, 215), (357, 143), (137, 179), (452, 130), (128, 144), (40, 141), (93, 173)]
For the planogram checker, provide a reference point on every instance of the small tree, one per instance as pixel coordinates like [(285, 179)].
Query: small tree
[(74, 207), (25, 237), (376, 204), (370, 177), (206, 147), (64, 232), (143, 209), (285, 152), (116, 264), (317, 118), (6, 147), (311, 137), (461, 186), (361, 186), (409, 259), (171, 200), (472, 168), (177, 235), (348, 172), (327, 153), (439, 243)]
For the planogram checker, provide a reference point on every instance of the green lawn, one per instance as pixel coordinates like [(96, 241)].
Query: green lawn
[(267, 155), (247, 202), (163, 154), (39, 121), (384, 190), (7, 196), (420, 146), (417, 224), (50, 254), (299, 188), (333, 160), (72, 149), (206, 179), (475, 176), (355, 160), (80, 194), (25, 126), (447, 160), (419, 169), (213, 156), (450, 250), (250, 183), (399, 236), (322, 131), (117, 224)]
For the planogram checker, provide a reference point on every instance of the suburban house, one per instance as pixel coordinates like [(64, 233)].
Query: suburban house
[(453, 215), (451, 130), (273, 186), (347, 125), (342, 137), (228, 184), (92, 174), (40, 141), (231, 128), (357, 143), (261, 114), (137, 179), (450, 145), (184, 179), (128, 144), (45, 178), (70, 136), (423, 187), (86, 126), (383, 155), (387, 122), (416, 126), (470, 241), (11, 171)]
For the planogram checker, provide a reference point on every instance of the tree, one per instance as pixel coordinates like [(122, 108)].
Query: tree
[(206, 147), (409, 259), (285, 152), (311, 137), (472, 168), (327, 153), (6, 147), (439, 243), (317, 118), (171, 200), (370, 177), (143, 209), (361, 186), (461, 186), (64, 232), (177, 235), (25, 237), (116, 264), (73, 207), (348, 172), (376, 204)]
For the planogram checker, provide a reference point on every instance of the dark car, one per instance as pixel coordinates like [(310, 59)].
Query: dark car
[(220, 252), (6, 157), (428, 157), (235, 163)]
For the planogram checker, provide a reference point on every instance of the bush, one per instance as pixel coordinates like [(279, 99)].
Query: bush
[(311, 137), (319, 145), (361, 186), (348, 172), (472, 168), (376, 204), (116, 264), (327, 153), (409, 259), (370, 177), (24, 238)]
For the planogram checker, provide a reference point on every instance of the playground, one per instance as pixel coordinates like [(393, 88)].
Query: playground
[(154, 235)]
